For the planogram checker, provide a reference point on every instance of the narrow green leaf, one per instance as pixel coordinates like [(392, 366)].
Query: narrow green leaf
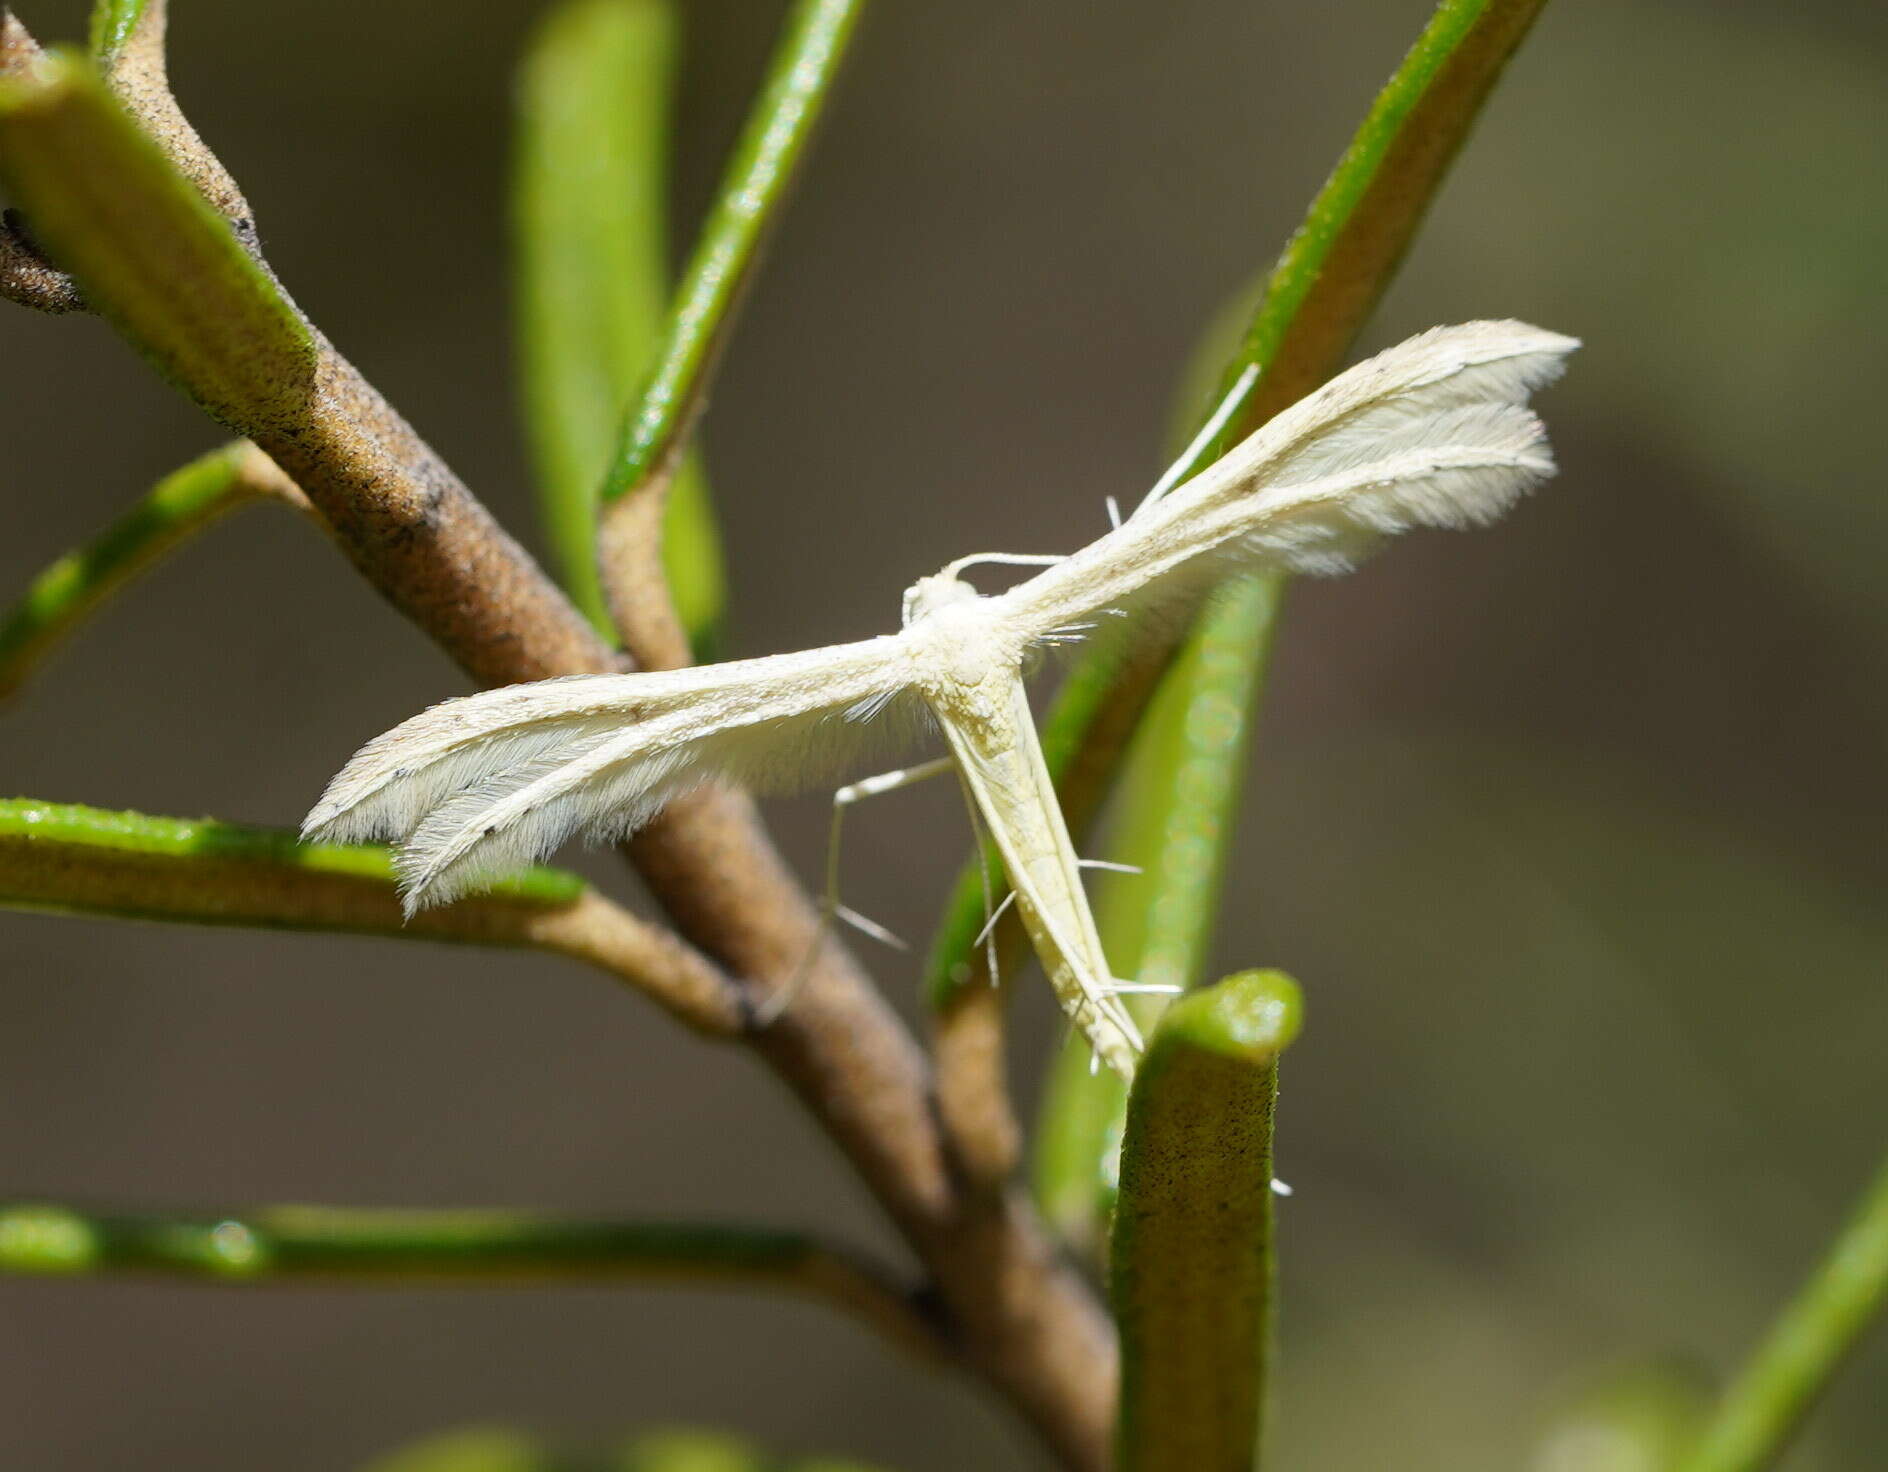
[(595, 99), (276, 1242), (62, 857), (71, 589), (75, 860), (273, 1244), (799, 80), (1316, 300), (1818, 1330), (148, 252), (1191, 1262)]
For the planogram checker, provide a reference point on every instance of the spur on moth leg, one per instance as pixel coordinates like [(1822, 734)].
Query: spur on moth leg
[(830, 907)]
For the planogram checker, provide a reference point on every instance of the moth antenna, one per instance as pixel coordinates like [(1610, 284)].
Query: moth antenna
[(1008, 559)]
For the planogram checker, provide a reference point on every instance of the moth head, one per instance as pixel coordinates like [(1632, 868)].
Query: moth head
[(940, 590), (947, 587)]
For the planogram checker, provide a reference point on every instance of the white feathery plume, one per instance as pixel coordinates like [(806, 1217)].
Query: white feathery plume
[(1433, 432)]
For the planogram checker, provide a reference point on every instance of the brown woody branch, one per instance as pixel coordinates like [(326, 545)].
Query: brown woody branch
[(1023, 1320)]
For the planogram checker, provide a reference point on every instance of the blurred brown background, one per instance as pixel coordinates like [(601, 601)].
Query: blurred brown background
[(1571, 829)]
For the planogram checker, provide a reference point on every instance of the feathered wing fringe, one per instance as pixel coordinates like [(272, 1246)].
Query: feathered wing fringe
[(483, 786), (1432, 432), (1400, 399)]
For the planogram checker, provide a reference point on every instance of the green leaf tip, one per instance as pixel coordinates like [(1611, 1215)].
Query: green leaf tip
[(1252, 1015), (1190, 1270), (114, 22)]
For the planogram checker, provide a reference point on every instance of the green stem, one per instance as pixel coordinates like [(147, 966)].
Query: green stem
[(78, 860), (176, 508), (633, 553), (1191, 1268), (800, 76), (275, 1244), (1316, 300), (1817, 1331), (590, 222)]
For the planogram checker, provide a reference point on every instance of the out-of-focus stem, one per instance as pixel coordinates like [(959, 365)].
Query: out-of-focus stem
[(1815, 1334), (176, 508), (274, 1244), (64, 858)]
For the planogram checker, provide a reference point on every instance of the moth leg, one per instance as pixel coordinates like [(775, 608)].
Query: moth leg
[(1110, 866), (1009, 899), (995, 915), (992, 911), (830, 908)]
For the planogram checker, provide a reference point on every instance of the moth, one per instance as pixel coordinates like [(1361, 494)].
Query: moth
[(1433, 432)]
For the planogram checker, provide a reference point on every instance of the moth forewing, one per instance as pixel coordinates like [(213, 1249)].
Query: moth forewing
[(475, 787), (1431, 432), (992, 735)]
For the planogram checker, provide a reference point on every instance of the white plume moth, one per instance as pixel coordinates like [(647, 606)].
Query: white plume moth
[(1432, 432)]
